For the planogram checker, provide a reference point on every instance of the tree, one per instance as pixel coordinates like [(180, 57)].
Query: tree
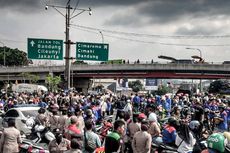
[(13, 57), (136, 85), (53, 82), (162, 90), (31, 77), (219, 86)]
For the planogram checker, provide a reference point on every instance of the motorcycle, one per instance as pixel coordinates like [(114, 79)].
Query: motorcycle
[(40, 134), (163, 148), (28, 147), (103, 129)]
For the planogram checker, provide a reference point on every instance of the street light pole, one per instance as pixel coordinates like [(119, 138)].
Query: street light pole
[(102, 37), (201, 58), (4, 53), (197, 50)]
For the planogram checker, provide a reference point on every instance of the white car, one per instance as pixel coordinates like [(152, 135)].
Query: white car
[(21, 116)]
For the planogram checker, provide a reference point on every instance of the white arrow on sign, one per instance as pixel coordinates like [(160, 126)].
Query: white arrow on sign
[(32, 43)]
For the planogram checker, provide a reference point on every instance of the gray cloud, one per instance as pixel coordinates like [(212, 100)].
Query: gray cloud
[(198, 30), (168, 11)]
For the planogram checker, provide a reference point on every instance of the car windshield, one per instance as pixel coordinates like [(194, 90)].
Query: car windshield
[(29, 113)]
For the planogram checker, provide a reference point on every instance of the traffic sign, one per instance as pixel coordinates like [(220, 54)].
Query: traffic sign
[(45, 49), (92, 51), (151, 84)]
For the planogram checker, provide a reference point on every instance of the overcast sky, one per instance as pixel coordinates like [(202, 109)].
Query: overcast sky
[(134, 29)]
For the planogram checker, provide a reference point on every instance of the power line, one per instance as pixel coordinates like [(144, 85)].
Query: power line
[(154, 42), (157, 36), (75, 7)]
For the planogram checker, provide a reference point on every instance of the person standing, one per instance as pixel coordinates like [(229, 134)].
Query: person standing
[(72, 130), (128, 108), (62, 120), (89, 135), (142, 140), (59, 144), (10, 139)]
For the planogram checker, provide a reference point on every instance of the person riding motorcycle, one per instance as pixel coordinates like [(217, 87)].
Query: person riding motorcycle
[(169, 132)]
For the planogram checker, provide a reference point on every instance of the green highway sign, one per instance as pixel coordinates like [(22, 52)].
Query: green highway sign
[(45, 49), (92, 51)]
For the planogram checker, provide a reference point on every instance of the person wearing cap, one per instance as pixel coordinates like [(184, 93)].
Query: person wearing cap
[(142, 140), (59, 144), (72, 130)]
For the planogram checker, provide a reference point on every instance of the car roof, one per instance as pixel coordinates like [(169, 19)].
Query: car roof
[(25, 108)]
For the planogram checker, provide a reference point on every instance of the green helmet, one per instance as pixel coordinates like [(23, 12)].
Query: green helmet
[(216, 141)]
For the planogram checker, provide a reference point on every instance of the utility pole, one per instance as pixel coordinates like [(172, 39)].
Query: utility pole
[(68, 42), (67, 47)]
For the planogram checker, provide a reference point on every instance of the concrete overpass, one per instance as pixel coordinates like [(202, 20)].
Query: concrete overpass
[(175, 71)]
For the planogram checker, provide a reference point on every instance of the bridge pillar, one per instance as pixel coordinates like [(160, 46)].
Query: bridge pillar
[(82, 84)]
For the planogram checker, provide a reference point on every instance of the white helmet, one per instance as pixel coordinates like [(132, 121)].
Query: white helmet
[(30, 122), (152, 118), (39, 128), (194, 125)]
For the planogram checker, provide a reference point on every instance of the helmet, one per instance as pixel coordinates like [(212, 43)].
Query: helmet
[(30, 122), (194, 125), (172, 121), (88, 112), (39, 128), (152, 117), (217, 142)]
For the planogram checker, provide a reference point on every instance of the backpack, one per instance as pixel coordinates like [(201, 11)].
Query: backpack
[(90, 145)]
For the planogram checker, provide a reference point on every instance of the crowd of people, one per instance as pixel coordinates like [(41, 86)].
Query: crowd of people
[(180, 121)]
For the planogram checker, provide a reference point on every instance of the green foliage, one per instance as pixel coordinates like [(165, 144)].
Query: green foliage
[(31, 77), (136, 85), (219, 86), (162, 90), (13, 57), (53, 82)]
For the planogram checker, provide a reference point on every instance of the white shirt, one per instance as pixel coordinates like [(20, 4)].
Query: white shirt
[(185, 147)]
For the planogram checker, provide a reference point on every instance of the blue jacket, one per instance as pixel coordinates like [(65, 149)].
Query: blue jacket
[(223, 125), (169, 134)]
